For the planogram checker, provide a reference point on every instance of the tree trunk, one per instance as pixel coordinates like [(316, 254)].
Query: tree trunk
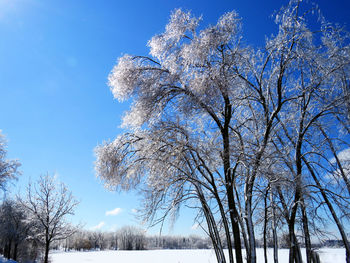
[(47, 249), (8, 247), (223, 217), (229, 183), (298, 194), (315, 258), (274, 232), (265, 224), (250, 180), (235, 228), (291, 244), (15, 252), (294, 250), (226, 227), (298, 250), (290, 225), (306, 231), (241, 223), (212, 228), (251, 236)]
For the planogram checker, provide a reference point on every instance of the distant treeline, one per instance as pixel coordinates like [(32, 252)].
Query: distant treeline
[(133, 238), (129, 238)]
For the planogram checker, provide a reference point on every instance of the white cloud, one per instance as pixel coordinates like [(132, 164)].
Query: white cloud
[(114, 212), (99, 226), (134, 211), (195, 226), (343, 156)]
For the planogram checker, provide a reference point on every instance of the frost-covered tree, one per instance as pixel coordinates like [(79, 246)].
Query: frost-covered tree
[(8, 168), (131, 238), (47, 204), (181, 92), (14, 229), (213, 122), (315, 84)]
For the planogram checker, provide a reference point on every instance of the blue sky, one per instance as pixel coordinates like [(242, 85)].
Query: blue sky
[(55, 56)]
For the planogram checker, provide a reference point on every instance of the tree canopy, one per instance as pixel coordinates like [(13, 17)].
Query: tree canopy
[(237, 130)]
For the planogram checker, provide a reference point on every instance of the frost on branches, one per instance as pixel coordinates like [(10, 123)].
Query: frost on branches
[(8, 168), (47, 204), (248, 137)]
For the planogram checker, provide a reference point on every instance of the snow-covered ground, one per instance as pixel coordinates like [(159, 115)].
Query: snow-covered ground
[(3, 260), (327, 255)]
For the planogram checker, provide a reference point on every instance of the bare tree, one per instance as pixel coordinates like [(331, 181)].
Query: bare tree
[(217, 123), (48, 203)]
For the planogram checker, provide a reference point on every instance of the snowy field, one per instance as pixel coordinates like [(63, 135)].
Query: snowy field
[(327, 255), (3, 260)]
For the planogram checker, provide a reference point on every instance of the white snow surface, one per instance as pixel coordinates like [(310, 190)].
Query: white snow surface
[(327, 255), (3, 260)]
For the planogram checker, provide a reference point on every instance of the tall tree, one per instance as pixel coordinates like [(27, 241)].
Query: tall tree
[(213, 120), (189, 75), (48, 203)]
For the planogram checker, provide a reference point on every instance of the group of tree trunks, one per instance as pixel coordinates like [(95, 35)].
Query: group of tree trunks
[(250, 138)]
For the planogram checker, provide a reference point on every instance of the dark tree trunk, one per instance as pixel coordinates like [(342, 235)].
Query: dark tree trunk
[(7, 250), (47, 249), (274, 231), (234, 217), (212, 227), (291, 245), (223, 215), (315, 258), (241, 222), (306, 232), (15, 252), (297, 251), (235, 228), (293, 249), (226, 226), (297, 197), (265, 224)]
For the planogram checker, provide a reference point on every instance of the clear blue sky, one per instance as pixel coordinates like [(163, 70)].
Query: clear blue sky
[(55, 105)]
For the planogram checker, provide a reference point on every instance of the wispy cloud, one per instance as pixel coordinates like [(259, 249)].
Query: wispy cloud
[(195, 226), (114, 212), (99, 226), (343, 156), (134, 211)]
